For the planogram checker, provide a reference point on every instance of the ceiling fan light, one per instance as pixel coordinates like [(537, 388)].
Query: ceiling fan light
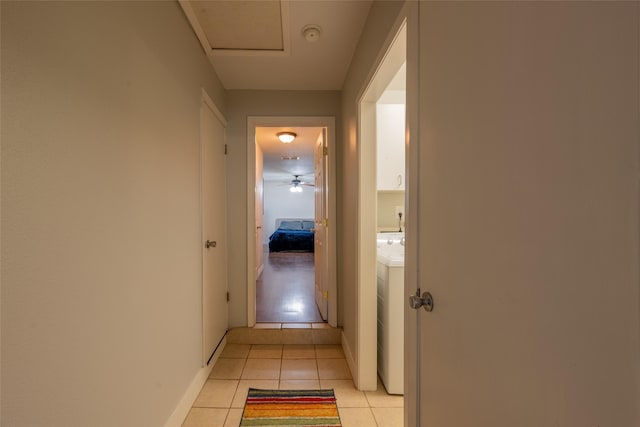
[(286, 137)]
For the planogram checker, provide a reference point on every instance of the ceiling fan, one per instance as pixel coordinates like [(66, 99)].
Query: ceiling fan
[(296, 184)]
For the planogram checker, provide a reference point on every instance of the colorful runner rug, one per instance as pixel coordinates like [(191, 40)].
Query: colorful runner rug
[(290, 408)]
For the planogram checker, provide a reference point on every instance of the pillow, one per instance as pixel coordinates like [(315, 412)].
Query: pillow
[(291, 225), (308, 225)]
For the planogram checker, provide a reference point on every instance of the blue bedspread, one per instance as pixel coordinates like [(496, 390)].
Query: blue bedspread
[(291, 240)]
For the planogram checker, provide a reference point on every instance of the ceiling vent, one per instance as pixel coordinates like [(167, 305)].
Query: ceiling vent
[(240, 27)]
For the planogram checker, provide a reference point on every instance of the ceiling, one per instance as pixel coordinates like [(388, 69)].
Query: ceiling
[(260, 44), (278, 169)]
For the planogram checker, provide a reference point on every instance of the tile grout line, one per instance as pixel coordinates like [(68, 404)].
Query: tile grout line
[(375, 420), (315, 350), (280, 380)]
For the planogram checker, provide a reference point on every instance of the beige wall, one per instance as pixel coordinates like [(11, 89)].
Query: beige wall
[(377, 28), (387, 203), (241, 104), (101, 289)]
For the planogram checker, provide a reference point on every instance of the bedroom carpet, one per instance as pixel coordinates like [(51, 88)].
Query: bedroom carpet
[(290, 408), (285, 290)]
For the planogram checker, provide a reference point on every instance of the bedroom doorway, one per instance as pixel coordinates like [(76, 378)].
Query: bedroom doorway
[(292, 274), (286, 209)]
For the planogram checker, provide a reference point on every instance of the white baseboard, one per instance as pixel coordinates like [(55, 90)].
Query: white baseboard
[(184, 406), (348, 354)]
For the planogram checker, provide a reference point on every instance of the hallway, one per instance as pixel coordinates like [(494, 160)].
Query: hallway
[(241, 366), (285, 289), (522, 198)]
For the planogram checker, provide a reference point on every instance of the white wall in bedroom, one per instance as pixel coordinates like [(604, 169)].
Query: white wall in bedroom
[(279, 202)]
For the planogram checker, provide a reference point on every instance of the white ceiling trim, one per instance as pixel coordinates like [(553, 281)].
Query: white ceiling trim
[(212, 52)]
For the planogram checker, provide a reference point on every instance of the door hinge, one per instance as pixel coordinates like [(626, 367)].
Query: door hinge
[(228, 297), (325, 295), (325, 222), (225, 148), (325, 151)]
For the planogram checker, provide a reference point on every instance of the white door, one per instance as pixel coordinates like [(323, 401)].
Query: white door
[(214, 237), (259, 207), (320, 237), (525, 224)]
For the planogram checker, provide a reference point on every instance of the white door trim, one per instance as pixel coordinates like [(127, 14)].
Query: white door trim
[(271, 121), (411, 319), (365, 376), (207, 100)]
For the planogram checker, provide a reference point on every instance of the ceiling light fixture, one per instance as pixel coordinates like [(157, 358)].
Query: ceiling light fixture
[(286, 137), (295, 189)]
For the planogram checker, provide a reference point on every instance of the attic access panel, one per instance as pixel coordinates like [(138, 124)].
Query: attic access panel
[(240, 26)]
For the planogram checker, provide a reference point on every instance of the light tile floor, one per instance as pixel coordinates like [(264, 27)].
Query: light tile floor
[(240, 366)]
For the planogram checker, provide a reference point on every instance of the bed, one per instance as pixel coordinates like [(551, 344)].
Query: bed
[(292, 235)]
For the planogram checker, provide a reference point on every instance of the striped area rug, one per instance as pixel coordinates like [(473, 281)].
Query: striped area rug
[(290, 408)]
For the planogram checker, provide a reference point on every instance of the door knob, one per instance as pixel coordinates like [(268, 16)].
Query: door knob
[(210, 244), (417, 301)]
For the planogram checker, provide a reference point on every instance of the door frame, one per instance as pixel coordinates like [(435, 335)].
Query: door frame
[(412, 165), (365, 375), (327, 122)]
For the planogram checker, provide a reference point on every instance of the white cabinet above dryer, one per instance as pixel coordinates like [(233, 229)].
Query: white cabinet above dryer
[(390, 131)]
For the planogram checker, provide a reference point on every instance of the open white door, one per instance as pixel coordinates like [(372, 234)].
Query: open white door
[(259, 208), (524, 227), (214, 229), (320, 246)]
